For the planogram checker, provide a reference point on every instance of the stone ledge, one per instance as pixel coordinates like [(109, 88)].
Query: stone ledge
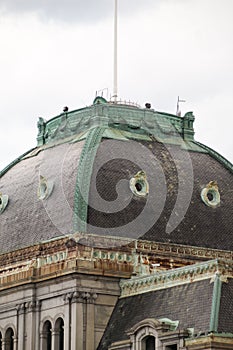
[(211, 341)]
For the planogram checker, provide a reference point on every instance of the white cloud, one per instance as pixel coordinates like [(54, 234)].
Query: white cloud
[(72, 11), (171, 48)]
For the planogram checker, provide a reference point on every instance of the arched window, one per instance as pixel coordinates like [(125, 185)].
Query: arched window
[(9, 339), (148, 343), (59, 334), (0, 341), (47, 336)]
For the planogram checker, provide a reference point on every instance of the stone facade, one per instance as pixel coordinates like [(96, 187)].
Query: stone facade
[(59, 295), (116, 234)]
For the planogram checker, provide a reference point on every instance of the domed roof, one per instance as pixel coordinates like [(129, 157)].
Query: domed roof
[(117, 170)]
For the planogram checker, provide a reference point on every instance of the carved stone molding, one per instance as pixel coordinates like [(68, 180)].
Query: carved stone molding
[(80, 297), (61, 245), (187, 274), (20, 308), (29, 306)]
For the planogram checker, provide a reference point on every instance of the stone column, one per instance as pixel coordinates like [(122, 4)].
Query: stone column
[(55, 339), (77, 321), (37, 326), (43, 339), (6, 343), (30, 329), (21, 326), (67, 321), (15, 343), (3, 344), (90, 321)]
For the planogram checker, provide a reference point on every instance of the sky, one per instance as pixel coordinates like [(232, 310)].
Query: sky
[(56, 53)]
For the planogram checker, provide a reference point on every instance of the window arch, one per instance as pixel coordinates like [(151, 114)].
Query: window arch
[(144, 335), (47, 336), (59, 334), (9, 339), (148, 343)]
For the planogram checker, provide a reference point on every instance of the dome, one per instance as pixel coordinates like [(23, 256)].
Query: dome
[(117, 170)]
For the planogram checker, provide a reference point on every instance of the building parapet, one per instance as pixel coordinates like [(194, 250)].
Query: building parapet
[(154, 263), (222, 341), (187, 274)]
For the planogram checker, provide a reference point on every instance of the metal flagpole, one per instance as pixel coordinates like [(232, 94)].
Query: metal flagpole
[(115, 54)]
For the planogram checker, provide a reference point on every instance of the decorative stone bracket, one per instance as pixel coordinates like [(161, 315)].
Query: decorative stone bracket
[(28, 306), (80, 297)]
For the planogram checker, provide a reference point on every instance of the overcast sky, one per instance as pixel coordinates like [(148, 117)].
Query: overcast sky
[(56, 53)]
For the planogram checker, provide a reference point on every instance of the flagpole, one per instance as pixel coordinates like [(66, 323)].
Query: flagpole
[(115, 54)]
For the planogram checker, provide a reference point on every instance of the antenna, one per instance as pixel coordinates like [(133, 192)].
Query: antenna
[(178, 112), (115, 54)]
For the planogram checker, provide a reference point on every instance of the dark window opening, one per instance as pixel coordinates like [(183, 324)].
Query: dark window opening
[(148, 343), (47, 336), (9, 339), (210, 196), (59, 327), (171, 347), (138, 186)]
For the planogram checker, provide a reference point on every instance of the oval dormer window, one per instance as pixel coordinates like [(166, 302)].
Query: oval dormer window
[(210, 194), (139, 184), (3, 202), (45, 188)]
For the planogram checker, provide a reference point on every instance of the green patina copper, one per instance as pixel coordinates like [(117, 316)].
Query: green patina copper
[(121, 121), (124, 122), (126, 118), (199, 271), (215, 303), (83, 180), (99, 99), (187, 126)]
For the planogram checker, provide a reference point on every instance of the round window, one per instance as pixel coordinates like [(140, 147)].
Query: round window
[(139, 184), (210, 194)]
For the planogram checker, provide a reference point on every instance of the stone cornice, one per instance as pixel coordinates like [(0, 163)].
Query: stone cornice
[(171, 278), (33, 272), (182, 250), (147, 248), (116, 257), (211, 341)]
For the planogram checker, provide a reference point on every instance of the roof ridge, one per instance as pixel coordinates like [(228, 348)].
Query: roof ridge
[(216, 155), (14, 162), (215, 303)]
